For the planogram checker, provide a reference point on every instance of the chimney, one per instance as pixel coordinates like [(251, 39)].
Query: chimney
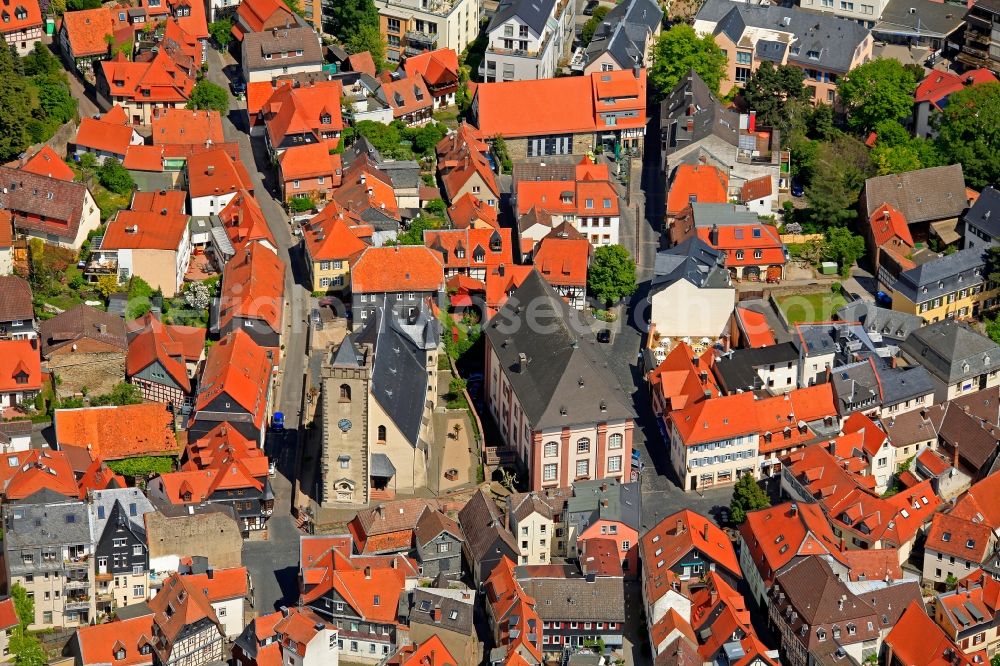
[(954, 456), (284, 611), (841, 602), (210, 573), (680, 527), (210, 169), (704, 532), (793, 510), (604, 503), (522, 361), (102, 329), (714, 595), (843, 544), (713, 235), (368, 573), (690, 125), (437, 614), (500, 270)]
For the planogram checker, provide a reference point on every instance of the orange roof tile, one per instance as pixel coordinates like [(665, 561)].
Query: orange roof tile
[(561, 105), (188, 605), (365, 187), (221, 584), (916, 640), (240, 368), (370, 586), (887, 224), (256, 14), (37, 469), (461, 155), (98, 476), (439, 68), (981, 502), (500, 286), (8, 614), (311, 161), (245, 223), (696, 182), (298, 110), (160, 80), (328, 236), (432, 652), (184, 126), (173, 347), (679, 383), (563, 261), (145, 230), (144, 158), (757, 188), (173, 201), (22, 15), (214, 447), (716, 419), (104, 136), (397, 269), (116, 432), (513, 609), (469, 211), (939, 84), (47, 163), (747, 238), (755, 327), (253, 287), (464, 249), (362, 62), (406, 96), (20, 366), (214, 172), (954, 535), (6, 229), (99, 643), (87, 29)]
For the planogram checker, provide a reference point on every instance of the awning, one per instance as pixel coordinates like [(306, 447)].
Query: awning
[(382, 466), (947, 231)]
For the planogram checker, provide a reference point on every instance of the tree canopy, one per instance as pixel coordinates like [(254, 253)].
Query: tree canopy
[(969, 133), (881, 89), (115, 177), (221, 31), (34, 99), (368, 38), (590, 27), (680, 50), (612, 274), (844, 247), (777, 94), (209, 96), (345, 17), (747, 496), (838, 171), (896, 151)]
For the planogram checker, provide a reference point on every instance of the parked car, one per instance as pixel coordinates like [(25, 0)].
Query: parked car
[(591, 6), (278, 422), (604, 335), (271, 469), (238, 86), (797, 189)]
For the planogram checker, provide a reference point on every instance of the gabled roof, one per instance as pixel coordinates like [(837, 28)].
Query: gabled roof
[(179, 604), (406, 96), (514, 612), (15, 299), (35, 470), (160, 80), (300, 110), (438, 67), (46, 162), (104, 135), (87, 29), (462, 154), (99, 643), (333, 234), (253, 287), (939, 84), (468, 210), (173, 347), (952, 350), (397, 269), (624, 32), (710, 116), (82, 322), (245, 223), (887, 224), (533, 14), (145, 230), (240, 368), (961, 537), (985, 212), (256, 46), (721, 617), (215, 173), (312, 160), (116, 432), (256, 14), (701, 183), (555, 363), (481, 522), (42, 204), (185, 126), (380, 528), (982, 502), (916, 640), (432, 652), (563, 261), (20, 366), (679, 382), (923, 195), (22, 15)]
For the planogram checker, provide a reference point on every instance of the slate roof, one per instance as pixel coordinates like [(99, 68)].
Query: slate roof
[(47, 519), (399, 371), (693, 260), (737, 368), (936, 19), (481, 522), (902, 384), (923, 195), (941, 276), (533, 13), (952, 351), (855, 383), (887, 323), (985, 212), (561, 353), (624, 31), (586, 506), (710, 117), (456, 613), (134, 505), (833, 38)]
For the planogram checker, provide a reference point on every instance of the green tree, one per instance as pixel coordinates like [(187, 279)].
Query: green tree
[(838, 171), (844, 247), (747, 496), (27, 649), (777, 94), (123, 393), (414, 235), (115, 177), (55, 99), (612, 274), (969, 133), (76, 5), (209, 96), (16, 103), (896, 151), (680, 50), (107, 285), (41, 62), (385, 138), (590, 27), (345, 17), (436, 207), (820, 125), (24, 605), (142, 466), (503, 157), (221, 32), (368, 38), (881, 89), (295, 6), (426, 137)]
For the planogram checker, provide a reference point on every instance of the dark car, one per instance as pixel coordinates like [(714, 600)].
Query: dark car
[(604, 335), (238, 86), (591, 6), (797, 189)]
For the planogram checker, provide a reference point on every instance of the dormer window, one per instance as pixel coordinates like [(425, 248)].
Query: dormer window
[(325, 119), (460, 253)]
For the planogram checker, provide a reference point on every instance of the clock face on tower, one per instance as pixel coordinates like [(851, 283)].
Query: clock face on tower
[(344, 424)]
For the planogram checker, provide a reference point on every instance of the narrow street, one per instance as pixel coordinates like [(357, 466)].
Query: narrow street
[(273, 563)]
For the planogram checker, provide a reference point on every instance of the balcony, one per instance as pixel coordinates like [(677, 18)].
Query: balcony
[(418, 42), (76, 603), (72, 585)]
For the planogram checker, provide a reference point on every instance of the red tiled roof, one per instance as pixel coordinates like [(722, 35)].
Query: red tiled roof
[(961, 537), (938, 85), (255, 14), (406, 96), (188, 605), (330, 235), (295, 109), (311, 161), (253, 287), (362, 62), (432, 652), (99, 476), (117, 432), (160, 80), (439, 68), (365, 187), (20, 366), (479, 248), (87, 29), (916, 640), (245, 223), (716, 419), (873, 437), (214, 172), (104, 136), (221, 584), (563, 261), (145, 230), (214, 447), (240, 368), (732, 238), (499, 287), (8, 614), (37, 469), (47, 163), (99, 643), (562, 105), (173, 200), (673, 538), (706, 184), (513, 610), (185, 126), (721, 615), (887, 224), (982, 502), (6, 229), (12, 16), (757, 188), (678, 382), (461, 155), (755, 327), (173, 347), (397, 269), (468, 210)]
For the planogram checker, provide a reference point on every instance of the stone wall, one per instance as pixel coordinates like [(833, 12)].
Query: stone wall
[(96, 372)]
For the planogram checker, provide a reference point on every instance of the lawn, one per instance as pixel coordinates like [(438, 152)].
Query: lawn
[(805, 308)]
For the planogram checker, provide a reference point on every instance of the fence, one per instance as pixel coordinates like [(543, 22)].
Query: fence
[(801, 238)]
